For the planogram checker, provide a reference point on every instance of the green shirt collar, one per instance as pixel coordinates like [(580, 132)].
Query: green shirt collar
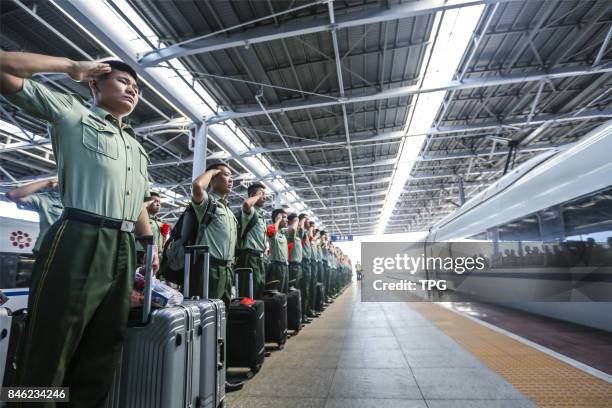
[(103, 113), (218, 197)]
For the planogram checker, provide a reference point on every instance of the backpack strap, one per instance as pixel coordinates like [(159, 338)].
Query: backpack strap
[(249, 226), (209, 212)]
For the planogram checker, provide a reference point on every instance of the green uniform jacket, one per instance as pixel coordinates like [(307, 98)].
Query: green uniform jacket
[(255, 239), (102, 169), (221, 234), (278, 247), (49, 207), (307, 252), (316, 251), (158, 238), (296, 252)]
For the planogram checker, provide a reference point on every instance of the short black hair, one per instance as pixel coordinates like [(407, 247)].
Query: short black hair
[(291, 217), (215, 164), (276, 212), (311, 223), (253, 188), (117, 65), (323, 232), (302, 216), (151, 195)]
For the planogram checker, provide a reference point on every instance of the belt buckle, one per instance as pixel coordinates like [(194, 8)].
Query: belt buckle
[(127, 226)]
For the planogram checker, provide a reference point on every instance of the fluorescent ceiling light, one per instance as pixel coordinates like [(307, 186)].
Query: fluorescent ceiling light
[(455, 30)]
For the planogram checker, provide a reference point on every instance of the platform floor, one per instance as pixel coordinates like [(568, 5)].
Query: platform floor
[(363, 355)]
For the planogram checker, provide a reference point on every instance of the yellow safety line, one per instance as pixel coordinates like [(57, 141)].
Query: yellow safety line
[(546, 380)]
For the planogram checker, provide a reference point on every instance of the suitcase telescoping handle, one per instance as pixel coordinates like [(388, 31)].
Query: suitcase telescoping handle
[(190, 251), (238, 271), (147, 242)]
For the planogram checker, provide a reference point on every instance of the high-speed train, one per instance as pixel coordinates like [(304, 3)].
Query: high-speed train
[(550, 223), (17, 238)]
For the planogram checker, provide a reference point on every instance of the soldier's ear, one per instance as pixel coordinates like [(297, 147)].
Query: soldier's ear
[(93, 86)]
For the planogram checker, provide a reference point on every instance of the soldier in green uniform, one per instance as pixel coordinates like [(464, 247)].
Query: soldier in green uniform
[(331, 261), (278, 250), (83, 275), (306, 275), (153, 205), (359, 270), (314, 267), (48, 204), (295, 250), (252, 239), (319, 259), (220, 234), (325, 265)]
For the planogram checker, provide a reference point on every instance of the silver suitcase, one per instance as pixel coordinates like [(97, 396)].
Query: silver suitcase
[(212, 342), (160, 365), (5, 335)]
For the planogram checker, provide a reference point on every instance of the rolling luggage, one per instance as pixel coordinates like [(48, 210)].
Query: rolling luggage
[(275, 317), (14, 342), (160, 364), (294, 309), (5, 335), (212, 341), (245, 329)]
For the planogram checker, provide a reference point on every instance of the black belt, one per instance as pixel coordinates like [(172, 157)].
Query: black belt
[(95, 219), (279, 263), (295, 263), (219, 262), (252, 252)]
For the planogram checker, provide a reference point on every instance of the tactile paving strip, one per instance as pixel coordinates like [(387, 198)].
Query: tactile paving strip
[(545, 380)]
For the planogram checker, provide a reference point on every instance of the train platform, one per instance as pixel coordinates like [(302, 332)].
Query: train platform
[(415, 355)]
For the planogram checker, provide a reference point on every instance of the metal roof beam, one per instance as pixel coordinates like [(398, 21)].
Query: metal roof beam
[(300, 27), (332, 19), (389, 162), (338, 141), (466, 83)]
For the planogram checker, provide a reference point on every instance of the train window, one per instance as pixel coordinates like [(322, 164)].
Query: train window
[(15, 270), (551, 224), (478, 237), (524, 229), (589, 218)]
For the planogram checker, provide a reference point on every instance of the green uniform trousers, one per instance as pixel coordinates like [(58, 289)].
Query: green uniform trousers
[(295, 273), (325, 277), (314, 270), (219, 283), (248, 259), (278, 271), (78, 309), (321, 278), (305, 287)]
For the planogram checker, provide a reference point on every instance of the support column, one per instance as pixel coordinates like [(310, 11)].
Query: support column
[(277, 200), (461, 192), (199, 150)]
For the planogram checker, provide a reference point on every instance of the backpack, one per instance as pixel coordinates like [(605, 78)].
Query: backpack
[(249, 226), (184, 232)]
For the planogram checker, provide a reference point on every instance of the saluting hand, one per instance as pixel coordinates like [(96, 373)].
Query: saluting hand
[(86, 70), (52, 183)]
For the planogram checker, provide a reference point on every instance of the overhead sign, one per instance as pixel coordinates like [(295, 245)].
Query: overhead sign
[(341, 238)]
